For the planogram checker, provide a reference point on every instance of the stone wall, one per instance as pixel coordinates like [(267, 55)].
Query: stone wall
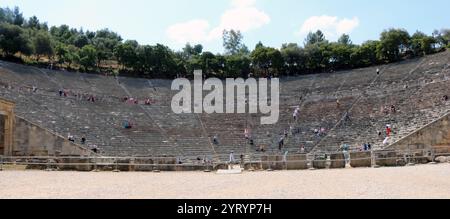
[(361, 159), (434, 134), (2, 134), (32, 140)]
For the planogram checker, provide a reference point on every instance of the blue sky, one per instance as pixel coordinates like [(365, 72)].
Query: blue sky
[(274, 22)]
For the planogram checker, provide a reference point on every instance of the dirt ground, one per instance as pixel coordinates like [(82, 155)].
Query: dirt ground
[(424, 181)]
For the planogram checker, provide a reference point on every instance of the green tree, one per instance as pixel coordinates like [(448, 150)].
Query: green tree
[(189, 51), (345, 40), (42, 44), (313, 38), (442, 37), (105, 42), (126, 54), (294, 58), (341, 54), (393, 44), (67, 54), (13, 40), (366, 54), (87, 57), (33, 23), (80, 41), (6, 15), (18, 17), (267, 61), (421, 44), (232, 42), (237, 66)]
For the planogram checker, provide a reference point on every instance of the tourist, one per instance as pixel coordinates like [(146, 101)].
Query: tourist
[(242, 160), (386, 141), (71, 138), (91, 98), (393, 109), (232, 160), (127, 124), (369, 147), (322, 131), (385, 110), (302, 149), (281, 143), (261, 148), (83, 140), (338, 104), (345, 149), (285, 157), (365, 147), (316, 131), (215, 140), (388, 130), (286, 133), (94, 148), (445, 98), (247, 134), (296, 113), (61, 93), (347, 117), (378, 71)]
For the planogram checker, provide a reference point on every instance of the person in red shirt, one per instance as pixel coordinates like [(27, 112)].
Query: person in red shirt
[(388, 130)]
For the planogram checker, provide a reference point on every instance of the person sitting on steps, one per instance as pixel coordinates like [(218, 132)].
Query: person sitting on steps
[(215, 140), (71, 138), (127, 125)]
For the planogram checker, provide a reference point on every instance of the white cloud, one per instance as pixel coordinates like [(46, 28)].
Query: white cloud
[(331, 26), (243, 16), (191, 31), (243, 3), (244, 19)]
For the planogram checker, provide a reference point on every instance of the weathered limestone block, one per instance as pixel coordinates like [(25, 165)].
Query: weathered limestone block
[(442, 159), (221, 166), (253, 166), (274, 162), (386, 158), (76, 164), (337, 161), (361, 159), (319, 164), (143, 164), (297, 162)]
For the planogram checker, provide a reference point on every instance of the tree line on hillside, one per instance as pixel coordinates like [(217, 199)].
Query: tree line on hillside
[(34, 42)]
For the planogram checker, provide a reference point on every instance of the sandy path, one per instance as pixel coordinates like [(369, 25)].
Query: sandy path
[(425, 181)]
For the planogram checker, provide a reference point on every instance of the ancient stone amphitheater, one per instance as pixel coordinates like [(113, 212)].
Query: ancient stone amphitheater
[(414, 87)]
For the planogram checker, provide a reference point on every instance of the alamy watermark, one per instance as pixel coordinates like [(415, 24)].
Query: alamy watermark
[(234, 97)]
